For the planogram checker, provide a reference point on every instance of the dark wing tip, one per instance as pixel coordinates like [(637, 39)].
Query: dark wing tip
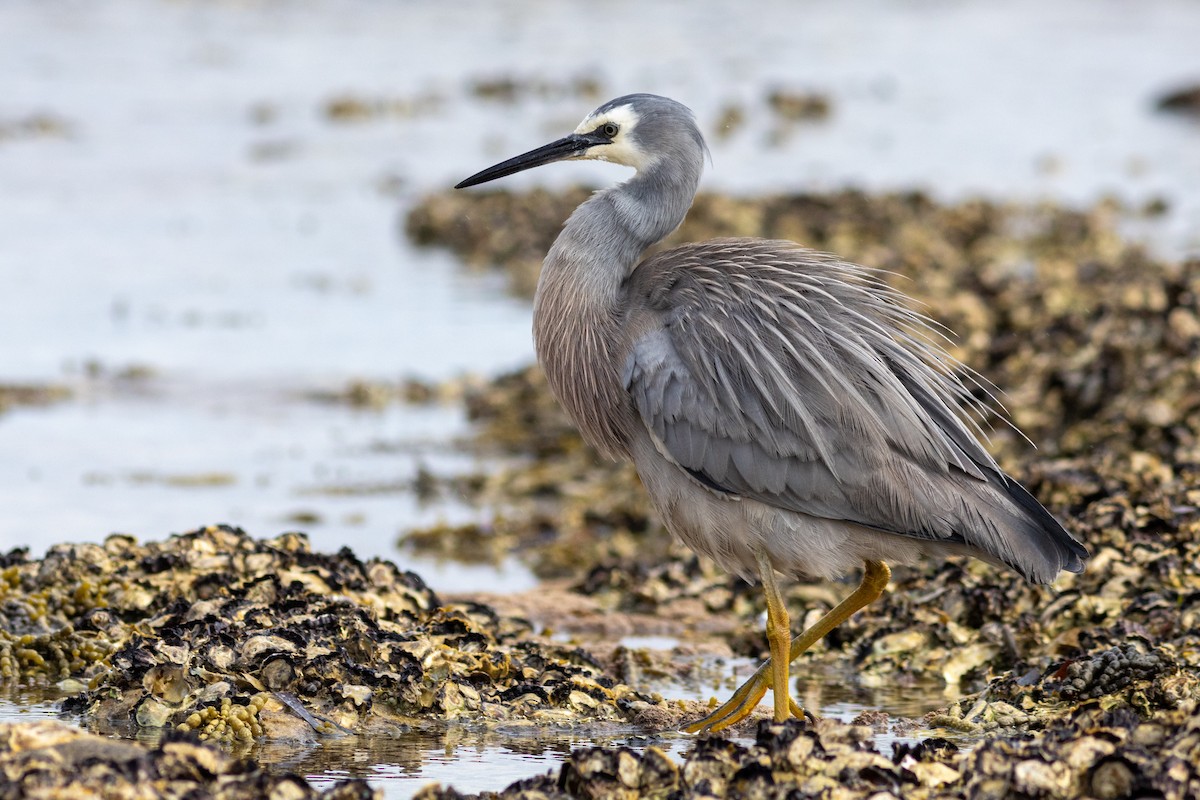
[(1078, 557), (1059, 549)]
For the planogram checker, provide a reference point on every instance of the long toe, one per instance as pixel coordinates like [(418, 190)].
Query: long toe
[(738, 707)]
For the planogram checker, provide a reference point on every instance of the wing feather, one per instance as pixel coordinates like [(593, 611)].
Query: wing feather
[(787, 376)]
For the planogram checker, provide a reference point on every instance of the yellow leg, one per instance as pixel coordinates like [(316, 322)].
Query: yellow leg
[(779, 637), (875, 577)]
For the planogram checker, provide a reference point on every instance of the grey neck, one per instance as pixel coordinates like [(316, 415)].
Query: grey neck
[(607, 235), (654, 202), (579, 307)]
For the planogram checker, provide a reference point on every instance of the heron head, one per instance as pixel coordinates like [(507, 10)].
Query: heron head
[(636, 130)]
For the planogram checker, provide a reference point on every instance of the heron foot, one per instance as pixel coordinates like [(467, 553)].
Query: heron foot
[(746, 698), (742, 703)]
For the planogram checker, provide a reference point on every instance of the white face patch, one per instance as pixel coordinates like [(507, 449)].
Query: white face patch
[(621, 150)]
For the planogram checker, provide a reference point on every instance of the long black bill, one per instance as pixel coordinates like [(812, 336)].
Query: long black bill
[(566, 147)]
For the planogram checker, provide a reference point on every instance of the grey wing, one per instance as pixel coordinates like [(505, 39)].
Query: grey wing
[(775, 373)]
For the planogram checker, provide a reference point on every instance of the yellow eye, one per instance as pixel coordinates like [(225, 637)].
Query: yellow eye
[(610, 129)]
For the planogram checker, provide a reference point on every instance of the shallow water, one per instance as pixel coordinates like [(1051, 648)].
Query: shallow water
[(475, 760), (196, 249)]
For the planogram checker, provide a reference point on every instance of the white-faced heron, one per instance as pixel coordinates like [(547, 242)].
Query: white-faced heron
[(786, 411)]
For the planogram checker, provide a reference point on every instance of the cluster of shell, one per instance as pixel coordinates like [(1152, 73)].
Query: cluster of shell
[(236, 638), (49, 760), (1096, 753)]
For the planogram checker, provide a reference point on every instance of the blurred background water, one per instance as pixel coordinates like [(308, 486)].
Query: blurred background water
[(201, 210)]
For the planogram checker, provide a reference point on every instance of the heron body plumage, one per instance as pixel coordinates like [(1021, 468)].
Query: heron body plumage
[(785, 410)]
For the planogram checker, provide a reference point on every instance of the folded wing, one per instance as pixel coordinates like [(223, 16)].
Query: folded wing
[(771, 372)]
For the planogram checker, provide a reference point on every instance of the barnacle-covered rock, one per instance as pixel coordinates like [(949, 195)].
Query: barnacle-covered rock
[(1141, 678), (1097, 753), (1109, 671), (1093, 753), (52, 760), (235, 639), (619, 772)]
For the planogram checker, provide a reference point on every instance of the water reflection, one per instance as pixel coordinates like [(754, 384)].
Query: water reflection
[(473, 758)]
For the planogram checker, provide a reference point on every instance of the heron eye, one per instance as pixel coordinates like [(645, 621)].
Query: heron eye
[(610, 129)]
